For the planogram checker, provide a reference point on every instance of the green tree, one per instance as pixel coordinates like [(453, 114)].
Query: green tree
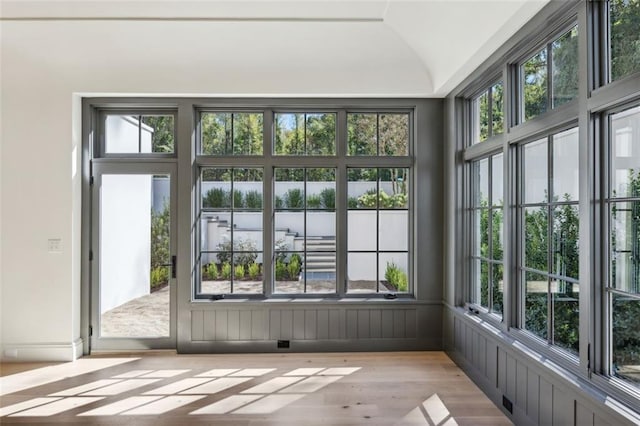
[(624, 18), (162, 138)]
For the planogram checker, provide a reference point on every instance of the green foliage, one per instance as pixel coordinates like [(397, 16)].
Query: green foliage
[(239, 272), (244, 251), (294, 198), (328, 196), (625, 335), (217, 130), (162, 139), (565, 68), (396, 277), (238, 199), (362, 138), (160, 223), (279, 204), (210, 272), (216, 198), (294, 267), (225, 271), (352, 202), (383, 200), (254, 271), (253, 199), (159, 277), (281, 270), (314, 201), (535, 85), (624, 17), (394, 134)]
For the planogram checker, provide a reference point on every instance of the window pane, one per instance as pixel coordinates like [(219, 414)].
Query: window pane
[(482, 281), (497, 287), (534, 72), (321, 134), (394, 134), (247, 134), (564, 66), (537, 288), (565, 166), (394, 189), (393, 229), (215, 275), (497, 239), (289, 189), (216, 132), (247, 269), (625, 341), (625, 246), (362, 131), (624, 16), (497, 171), (361, 273), (216, 188), (321, 189), (535, 238), (392, 269), (482, 116), (288, 268), (290, 134), (362, 230), (139, 134), (565, 250), (362, 188), (480, 182), (497, 110), (305, 134), (535, 172), (483, 232), (625, 153), (566, 327)]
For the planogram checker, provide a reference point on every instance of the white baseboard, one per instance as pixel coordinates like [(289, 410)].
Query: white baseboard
[(42, 351)]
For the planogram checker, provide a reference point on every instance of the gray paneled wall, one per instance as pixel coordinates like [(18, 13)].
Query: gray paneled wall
[(538, 395), (346, 326)]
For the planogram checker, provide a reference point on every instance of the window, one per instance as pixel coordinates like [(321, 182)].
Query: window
[(548, 212), (305, 230), (549, 78), (148, 133), (231, 253), (309, 171), (623, 206), (487, 239), (624, 38), (488, 115), (231, 133), (378, 230)]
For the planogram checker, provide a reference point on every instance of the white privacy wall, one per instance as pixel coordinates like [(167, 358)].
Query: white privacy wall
[(48, 65)]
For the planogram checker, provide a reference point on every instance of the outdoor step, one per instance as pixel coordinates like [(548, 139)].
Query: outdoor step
[(323, 265)]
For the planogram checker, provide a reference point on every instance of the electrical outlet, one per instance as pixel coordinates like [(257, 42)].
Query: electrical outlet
[(54, 245)]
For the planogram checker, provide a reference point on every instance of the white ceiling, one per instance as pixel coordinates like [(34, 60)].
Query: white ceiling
[(428, 46)]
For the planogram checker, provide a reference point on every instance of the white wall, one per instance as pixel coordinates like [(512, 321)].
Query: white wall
[(47, 65)]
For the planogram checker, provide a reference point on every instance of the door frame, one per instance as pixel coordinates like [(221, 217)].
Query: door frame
[(111, 167)]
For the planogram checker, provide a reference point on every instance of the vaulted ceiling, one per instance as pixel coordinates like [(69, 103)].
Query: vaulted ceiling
[(420, 48)]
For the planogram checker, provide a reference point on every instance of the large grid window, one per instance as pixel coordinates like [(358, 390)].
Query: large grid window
[(624, 38), (487, 268), (623, 207), (549, 78), (487, 113), (310, 169), (378, 230), (231, 254), (548, 212), (305, 230)]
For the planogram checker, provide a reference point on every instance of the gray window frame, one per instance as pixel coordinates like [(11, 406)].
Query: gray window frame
[(341, 161), (596, 97)]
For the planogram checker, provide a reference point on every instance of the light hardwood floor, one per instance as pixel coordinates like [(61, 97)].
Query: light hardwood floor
[(389, 388)]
